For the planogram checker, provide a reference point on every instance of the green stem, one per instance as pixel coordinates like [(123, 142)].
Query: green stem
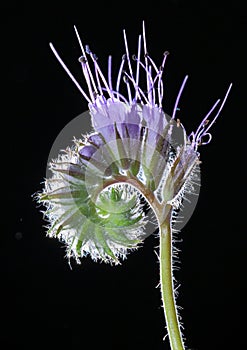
[(162, 212), (167, 288)]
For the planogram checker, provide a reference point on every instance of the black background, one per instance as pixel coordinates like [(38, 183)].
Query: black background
[(94, 306)]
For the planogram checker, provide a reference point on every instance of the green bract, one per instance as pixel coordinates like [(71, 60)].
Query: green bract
[(105, 225)]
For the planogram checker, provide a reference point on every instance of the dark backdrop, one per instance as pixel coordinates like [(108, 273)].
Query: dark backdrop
[(95, 306)]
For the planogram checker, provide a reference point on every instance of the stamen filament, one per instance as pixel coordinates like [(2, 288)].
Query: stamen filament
[(138, 65), (160, 82), (87, 78), (126, 80), (200, 128), (102, 76), (120, 74), (110, 72), (127, 54), (118, 95), (84, 55), (137, 87), (146, 61), (222, 105), (178, 97), (152, 92), (69, 73)]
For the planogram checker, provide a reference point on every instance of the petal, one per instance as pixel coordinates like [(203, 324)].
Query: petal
[(108, 133), (96, 140), (155, 118), (134, 115), (99, 120), (129, 130), (86, 152), (117, 111)]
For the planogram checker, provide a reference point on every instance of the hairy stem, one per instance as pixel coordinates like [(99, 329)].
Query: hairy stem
[(163, 214), (167, 288)]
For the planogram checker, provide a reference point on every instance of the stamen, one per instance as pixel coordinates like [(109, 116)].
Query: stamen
[(69, 73), (101, 74), (146, 60), (97, 77), (160, 82), (152, 92), (120, 73), (83, 61), (178, 97), (205, 142), (200, 128), (153, 64), (126, 80), (220, 109), (88, 51), (127, 54), (153, 82), (110, 72), (138, 65), (86, 61), (118, 95), (137, 87), (150, 79)]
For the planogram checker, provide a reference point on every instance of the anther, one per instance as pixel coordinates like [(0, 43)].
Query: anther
[(82, 59), (166, 53), (124, 57), (134, 57), (87, 49), (125, 79), (178, 123), (95, 57)]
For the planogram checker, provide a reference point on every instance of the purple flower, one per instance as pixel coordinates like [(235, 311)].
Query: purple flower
[(134, 141), (135, 152)]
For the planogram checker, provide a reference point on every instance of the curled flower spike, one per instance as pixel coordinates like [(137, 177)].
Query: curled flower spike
[(136, 153)]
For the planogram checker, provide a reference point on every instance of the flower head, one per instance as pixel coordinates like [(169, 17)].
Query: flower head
[(94, 197)]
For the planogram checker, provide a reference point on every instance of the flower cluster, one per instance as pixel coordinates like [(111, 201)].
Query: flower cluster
[(135, 151)]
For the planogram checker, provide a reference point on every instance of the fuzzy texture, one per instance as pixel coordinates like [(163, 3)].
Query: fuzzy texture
[(93, 199)]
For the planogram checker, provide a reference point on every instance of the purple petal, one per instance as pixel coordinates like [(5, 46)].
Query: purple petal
[(99, 120), (96, 140), (117, 111), (110, 113), (132, 130), (86, 152), (155, 118), (134, 115), (108, 133)]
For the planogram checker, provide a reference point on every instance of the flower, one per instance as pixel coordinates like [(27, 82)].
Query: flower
[(94, 198)]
